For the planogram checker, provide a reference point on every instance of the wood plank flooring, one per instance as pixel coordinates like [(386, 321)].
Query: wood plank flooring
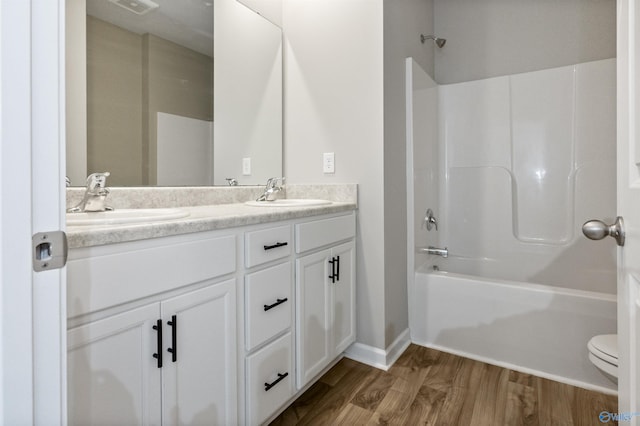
[(428, 387)]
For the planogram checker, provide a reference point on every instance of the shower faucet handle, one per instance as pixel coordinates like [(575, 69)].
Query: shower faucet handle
[(430, 220)]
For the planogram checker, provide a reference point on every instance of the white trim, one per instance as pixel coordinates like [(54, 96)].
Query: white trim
[(627, 177), (376, 357), (47, 205), (525, 370), (408, 63), (398, 347), (15, 214)]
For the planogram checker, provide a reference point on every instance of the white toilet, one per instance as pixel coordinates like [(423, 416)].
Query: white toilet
[(603, 353)]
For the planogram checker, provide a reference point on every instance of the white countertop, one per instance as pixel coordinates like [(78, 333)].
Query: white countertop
[(201, 218)]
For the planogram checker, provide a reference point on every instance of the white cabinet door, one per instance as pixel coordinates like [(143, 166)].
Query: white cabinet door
[(112, 375), (344, 296), (313, 315), (199, 384), (325, 284)]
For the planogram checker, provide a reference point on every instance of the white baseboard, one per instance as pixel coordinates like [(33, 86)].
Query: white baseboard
[(376, 357)]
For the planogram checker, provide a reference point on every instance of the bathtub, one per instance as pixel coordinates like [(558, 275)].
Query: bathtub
[(532, 328)]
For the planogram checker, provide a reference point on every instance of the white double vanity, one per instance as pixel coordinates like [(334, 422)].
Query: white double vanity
[(220, 317)]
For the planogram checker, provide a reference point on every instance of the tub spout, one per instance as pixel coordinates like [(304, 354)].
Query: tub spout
[(444, 252)]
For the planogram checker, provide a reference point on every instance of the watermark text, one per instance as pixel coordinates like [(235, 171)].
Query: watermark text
[(606, 417)]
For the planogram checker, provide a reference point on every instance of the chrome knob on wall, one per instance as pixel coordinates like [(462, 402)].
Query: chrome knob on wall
[(430, 220), (597, 230)]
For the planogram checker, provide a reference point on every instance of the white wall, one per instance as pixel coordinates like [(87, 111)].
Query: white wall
[(488, 38), (404, 21), (334, 103)]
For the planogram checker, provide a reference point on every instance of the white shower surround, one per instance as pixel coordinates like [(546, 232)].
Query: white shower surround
[(529, 158), (516, 165)]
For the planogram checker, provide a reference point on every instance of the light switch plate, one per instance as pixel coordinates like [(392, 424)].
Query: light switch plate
[(328, 162), (246, 166)]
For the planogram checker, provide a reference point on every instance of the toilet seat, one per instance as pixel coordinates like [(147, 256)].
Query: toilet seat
[(605, 347), (603, 353)]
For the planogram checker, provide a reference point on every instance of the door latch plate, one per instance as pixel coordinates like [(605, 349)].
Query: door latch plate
[(49, 250)]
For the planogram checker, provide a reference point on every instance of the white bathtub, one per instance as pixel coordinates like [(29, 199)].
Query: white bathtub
[(537, 329)]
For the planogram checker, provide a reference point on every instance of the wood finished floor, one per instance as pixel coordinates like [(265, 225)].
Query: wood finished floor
[(428, 387)]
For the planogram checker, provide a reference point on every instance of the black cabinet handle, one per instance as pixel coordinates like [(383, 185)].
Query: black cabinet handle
[(338, 268), (268, 386), (158, 355), (173, 350), (278, 302), (276, 245), (333, 270)]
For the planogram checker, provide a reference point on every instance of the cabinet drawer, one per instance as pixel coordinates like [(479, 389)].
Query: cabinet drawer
[(269, 379), (311, 235), (270, 289), (266, 245), (136, 272)]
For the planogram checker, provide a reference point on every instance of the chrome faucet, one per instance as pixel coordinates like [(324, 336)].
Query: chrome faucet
[(430, 220), (94, 195), (271, 188), (444, 252)]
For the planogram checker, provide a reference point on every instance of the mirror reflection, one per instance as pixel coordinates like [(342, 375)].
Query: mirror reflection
[(148, 101)]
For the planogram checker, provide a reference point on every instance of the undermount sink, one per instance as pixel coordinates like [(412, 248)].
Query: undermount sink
[(123, 216), (289, 202)]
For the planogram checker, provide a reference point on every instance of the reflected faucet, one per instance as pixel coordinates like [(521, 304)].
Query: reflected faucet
[(271, 188), (95, 195)]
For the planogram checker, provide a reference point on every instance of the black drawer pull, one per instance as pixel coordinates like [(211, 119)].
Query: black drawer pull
[(276, 245), (173, 350), (333, 270), (278, 302), (158, 355), (338, 268), (268, 386)]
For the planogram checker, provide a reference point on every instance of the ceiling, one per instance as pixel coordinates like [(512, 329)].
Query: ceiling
[(188, 23)]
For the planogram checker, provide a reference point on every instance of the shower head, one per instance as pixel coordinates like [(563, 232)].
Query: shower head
[(438, 41)]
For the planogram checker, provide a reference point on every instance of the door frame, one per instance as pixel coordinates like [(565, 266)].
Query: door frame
[(628, 72), (32, 199)]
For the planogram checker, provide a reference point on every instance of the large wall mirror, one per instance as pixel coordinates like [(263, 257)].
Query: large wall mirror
[(174, 92)]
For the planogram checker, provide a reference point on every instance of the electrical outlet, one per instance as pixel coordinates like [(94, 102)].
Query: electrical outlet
[(328, 162), (246, 166)]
